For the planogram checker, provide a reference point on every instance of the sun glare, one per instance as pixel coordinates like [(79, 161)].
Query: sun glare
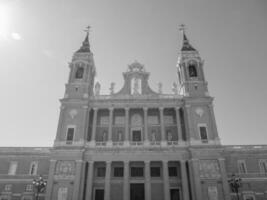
[(4, 22)]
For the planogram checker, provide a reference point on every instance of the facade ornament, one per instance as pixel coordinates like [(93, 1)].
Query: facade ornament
[(199, 112), (73, 113), (112, 86), (97, 89), (160, 88), (136, 86), (174, 88)]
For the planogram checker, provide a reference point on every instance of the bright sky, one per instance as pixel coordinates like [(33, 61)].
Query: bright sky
[(39, 37)]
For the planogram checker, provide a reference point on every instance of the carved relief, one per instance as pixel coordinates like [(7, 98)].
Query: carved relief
[(73, 113), (209, 169), (199, 112), (136, 120), (136, 86), (65, 170)]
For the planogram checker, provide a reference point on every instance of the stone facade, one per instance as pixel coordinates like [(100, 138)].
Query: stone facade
[(135, 144)]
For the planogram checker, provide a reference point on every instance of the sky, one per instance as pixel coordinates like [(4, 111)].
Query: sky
[(39, 37)]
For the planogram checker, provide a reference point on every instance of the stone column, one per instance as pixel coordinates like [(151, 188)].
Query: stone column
[(107, 180), (110, 126), (76, 186), (147, 181), (166, 180), (126, 139), (50, 180), (225, 184), (163, 136), (145, 125), (178, 123), (184, 180), (188, 123), (126, 186), (89, 184), (94, 125)]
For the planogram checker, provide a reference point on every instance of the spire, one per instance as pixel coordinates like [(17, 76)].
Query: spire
[(85, 48), (186, 45)]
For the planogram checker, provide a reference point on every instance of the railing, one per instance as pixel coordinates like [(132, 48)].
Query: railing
[(118, 143), (136, 143), (101, 143), (172, 143), (155, 143)]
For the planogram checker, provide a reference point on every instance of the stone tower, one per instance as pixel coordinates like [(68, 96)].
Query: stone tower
[(198, 104)]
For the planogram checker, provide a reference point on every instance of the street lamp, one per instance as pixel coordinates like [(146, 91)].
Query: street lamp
[(39, 184), (235, 183)]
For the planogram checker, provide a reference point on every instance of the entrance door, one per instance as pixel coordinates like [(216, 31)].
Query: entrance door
[(175, 194), (99, 194), (137, 191)]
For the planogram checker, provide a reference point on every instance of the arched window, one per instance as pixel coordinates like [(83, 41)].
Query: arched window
[(192, 70), (79, 73)]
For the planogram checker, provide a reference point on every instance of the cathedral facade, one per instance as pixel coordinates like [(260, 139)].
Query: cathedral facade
[(135, 144)]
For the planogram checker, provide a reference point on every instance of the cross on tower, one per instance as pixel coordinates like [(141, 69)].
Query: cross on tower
[(87, 29), (182, 27)]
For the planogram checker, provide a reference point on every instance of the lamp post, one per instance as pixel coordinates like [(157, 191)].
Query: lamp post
[(235, 183), (39, 184)]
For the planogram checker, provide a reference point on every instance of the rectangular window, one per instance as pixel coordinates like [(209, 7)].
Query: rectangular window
[(172, 171), (101, 172), (118, 171), (28, 188), (242, 166), (203, 133), (155, 171), (8, 187), (137, 172), (70, 135), (136, 136), (33, 168), (12, 168), (263, 166)]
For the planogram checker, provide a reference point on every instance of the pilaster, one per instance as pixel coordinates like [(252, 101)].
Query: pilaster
[(126, 140), (126, 189), (76, 186), (178, 123), (145, 125), (94, 125), (110, 127), (166, 180), (226, 192), (184, 181), (89, 185), (50, 180), (107, 180), (147, 181), (163, 136)]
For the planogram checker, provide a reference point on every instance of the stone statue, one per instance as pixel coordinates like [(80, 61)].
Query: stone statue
[(112, 86), (153, 136), (174, 88), (136, 86), (160, 88), (97, 88)]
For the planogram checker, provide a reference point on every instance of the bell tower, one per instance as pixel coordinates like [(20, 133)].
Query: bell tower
[(74, 106), (190, 70), (198, 104), (82, 72)]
